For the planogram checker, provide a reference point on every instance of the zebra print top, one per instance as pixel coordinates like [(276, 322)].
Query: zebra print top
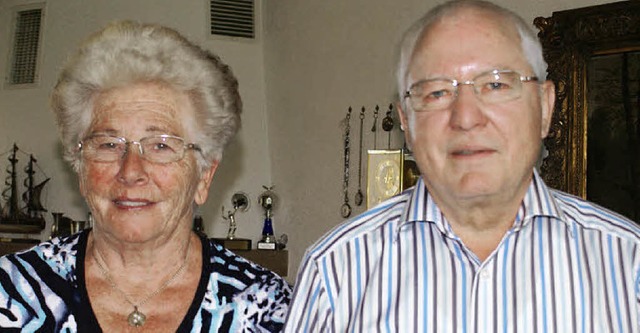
[(43, 289)]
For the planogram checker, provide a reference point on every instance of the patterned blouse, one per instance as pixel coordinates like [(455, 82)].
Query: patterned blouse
[(43, 289)]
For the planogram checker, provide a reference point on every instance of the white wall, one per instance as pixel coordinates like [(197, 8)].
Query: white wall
[(26, 119), (315, 58)]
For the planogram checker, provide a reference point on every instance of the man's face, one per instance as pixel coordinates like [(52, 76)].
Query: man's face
[(473, 152)]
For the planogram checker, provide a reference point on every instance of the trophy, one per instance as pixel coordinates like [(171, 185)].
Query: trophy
[(267, 201), (240, 203)]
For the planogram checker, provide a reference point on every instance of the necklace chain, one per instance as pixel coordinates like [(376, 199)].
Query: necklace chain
[(138, 317)]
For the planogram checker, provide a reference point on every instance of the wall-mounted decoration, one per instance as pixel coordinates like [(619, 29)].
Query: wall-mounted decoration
[(389, 169), (594, 141), (389, 172), (345, 209)]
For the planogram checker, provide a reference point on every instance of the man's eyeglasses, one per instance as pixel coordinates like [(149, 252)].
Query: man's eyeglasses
[(157, 148), (491, 87)]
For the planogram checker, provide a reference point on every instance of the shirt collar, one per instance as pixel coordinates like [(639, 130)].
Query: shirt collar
[(538, 201)]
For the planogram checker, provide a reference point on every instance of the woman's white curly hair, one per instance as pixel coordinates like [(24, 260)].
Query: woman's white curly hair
[(125, 53)]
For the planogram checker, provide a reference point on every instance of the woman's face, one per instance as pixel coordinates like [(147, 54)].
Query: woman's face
[(132, 199)]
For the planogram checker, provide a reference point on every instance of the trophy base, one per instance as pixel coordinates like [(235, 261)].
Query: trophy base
[(234, 244), (266, 245)]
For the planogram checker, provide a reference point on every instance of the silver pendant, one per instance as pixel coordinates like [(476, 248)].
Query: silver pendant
[(136, 318)]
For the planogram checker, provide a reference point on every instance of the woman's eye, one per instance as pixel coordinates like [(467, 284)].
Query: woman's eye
[(162, 146), (108, 146)]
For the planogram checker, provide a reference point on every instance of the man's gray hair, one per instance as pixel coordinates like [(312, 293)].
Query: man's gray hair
[(531, 47)]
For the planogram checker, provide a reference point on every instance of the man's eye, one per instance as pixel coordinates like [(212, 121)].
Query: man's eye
[(437, 95), (493, 86)]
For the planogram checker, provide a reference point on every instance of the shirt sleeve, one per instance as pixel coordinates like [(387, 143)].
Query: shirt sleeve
[(310, 309)]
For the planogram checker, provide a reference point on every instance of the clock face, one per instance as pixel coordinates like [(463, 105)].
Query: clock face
[(384, 175), (388, 178), (345, 210)]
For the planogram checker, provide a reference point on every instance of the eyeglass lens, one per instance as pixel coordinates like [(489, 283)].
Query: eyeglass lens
[(160, 149), (490, 88)]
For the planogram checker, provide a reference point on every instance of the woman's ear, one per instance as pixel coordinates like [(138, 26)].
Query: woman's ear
[(202, 192)]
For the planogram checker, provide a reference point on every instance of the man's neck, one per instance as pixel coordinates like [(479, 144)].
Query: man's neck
[(481, 224)]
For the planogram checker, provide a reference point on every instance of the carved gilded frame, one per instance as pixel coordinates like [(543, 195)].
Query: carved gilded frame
[(569, 39)]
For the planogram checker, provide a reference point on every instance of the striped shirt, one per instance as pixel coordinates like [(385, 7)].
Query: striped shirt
[(566, 265)]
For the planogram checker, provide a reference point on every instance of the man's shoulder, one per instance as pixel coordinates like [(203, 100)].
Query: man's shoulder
[(368, 224), (585, 214)]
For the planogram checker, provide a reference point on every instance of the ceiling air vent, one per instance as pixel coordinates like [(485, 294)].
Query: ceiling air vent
[(26, 41), (233, 18)]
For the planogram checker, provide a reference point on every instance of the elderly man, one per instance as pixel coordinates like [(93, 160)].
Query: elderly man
[(480, 244)]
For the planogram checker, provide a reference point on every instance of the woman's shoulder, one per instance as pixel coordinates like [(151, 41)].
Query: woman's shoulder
[(39, 283), (254, 296), (226, 263), (59, 254)]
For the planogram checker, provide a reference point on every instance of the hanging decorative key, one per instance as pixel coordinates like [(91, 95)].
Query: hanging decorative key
[(345, 209), (387, 125), (359, 196), (374, 128)]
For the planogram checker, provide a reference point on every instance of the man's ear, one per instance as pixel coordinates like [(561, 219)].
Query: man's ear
[(404, 125), (202, 192), (548, 99)]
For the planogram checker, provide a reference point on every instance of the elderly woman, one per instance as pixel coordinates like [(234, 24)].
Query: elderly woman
[(144, 116)]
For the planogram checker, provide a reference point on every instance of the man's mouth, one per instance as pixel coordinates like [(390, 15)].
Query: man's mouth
[(469, 152), (131, 203)]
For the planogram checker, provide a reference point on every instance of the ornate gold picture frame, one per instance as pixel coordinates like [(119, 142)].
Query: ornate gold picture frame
[(572, 39)]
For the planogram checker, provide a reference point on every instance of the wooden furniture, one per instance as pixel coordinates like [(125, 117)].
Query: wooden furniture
[(277, 261), (11, 245)]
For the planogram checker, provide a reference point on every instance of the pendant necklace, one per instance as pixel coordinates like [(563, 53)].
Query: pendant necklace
[(137, 318), (359, 196), (345, 209)]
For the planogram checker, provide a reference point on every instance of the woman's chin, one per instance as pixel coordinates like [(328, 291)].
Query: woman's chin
[(133, 231)]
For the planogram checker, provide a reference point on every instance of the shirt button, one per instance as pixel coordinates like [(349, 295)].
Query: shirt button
[(485, 274)]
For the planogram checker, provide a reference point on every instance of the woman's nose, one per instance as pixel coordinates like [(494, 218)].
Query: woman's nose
[(132, 166)]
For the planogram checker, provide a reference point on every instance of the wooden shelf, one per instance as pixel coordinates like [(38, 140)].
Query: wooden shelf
[(277, 261), (11, 245)]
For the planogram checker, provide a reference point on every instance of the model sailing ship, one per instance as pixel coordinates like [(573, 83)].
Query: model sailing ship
[(29, 214)]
